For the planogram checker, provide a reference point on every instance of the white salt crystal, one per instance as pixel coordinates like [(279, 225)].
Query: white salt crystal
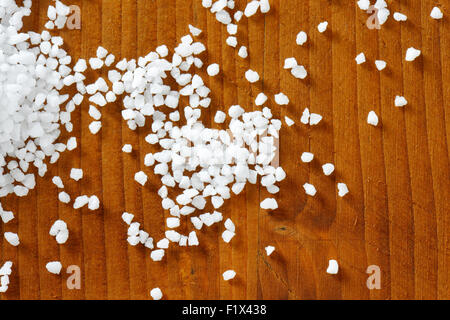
[(372, 118), (360, 58), (12, 238), (141, 178), (64, 197), (364, 4), (436, 13), (232, 29), (289, 121), (54, 267), (238, 15), (269, 250), (333, 267), (76, 174), (71, 143), (412, 54), (228, 275), (173, 222), (269, 204), (229, 225), (328, 168), (95, 126), (261, 98), (299, 72), (307, 157), (400, 101), (227, 235), (194, 31), (264, 5), (251, 8), (281, 99), (251, 76), (213, 70), (127, 148), (220, 117), (127, 217), (162, 50), (305, 116), (342, 189), (309, 189), (243, 53), (95, 63), (80, 202), (314, 119), (289, 63), (400, 16), (380, 64), (322, 26), (58, 182), (157, 255), (232, 41), (94, 203), (156, 294), (302, 37), (101, 52), (192, 239)]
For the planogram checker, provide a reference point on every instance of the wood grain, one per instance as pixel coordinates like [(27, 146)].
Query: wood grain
[(396, 215)]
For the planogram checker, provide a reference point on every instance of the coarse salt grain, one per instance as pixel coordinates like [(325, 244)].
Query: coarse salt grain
[(251, 76), (228, 275), (372, 118), (301, 39), (436, 13), (127, 148), (360, 58), (269, 204), (12, 238), (281, 99), (328, 168), (400, 16), (400, 101), (342, 189), (54, 267), (156, 294), (243, 53), (213, 70), (307, 157), (412, 54), (141, 178), (333, 267), (380, 64), (269, 250), (309, 189), (322, 26), (76, 174)]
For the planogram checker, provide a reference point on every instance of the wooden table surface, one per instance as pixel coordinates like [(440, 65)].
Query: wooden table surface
[(396, 215)]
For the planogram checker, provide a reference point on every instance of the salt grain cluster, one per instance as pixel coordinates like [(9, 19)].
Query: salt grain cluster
[(60, 231), (5, 272)]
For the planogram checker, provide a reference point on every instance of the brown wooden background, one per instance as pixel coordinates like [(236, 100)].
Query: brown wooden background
[(396, 215)]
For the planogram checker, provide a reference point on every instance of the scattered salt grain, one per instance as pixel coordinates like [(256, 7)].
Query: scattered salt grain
[(156, 294), (281, 99), (261, 98), (54, 267), (251, 8), (322, 26), (76, 174), (309, 189), (94, 203), (58, 182), (220, 117), (333, 267), (95, 126), (314, 119), (364, 4), (243, 53), (305, 116), (127, 217), (232, 41), (127, 148), (400, 101), (194, 31), (229, 225), (251, 76), (80, 202), (436, 13), (12, 238), (328, 168), (141, 178), (71, 143), (400, 16), (269, 250), (302, 37), (157, 255), (372, 118), (380, 64), (289, 121), (63, 197), (264, 5), (412, 54), (227, 235), (342, 189), (228, 275), (289, 63), (213, 70), (307, 157), (269, 204), (360, 58)]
